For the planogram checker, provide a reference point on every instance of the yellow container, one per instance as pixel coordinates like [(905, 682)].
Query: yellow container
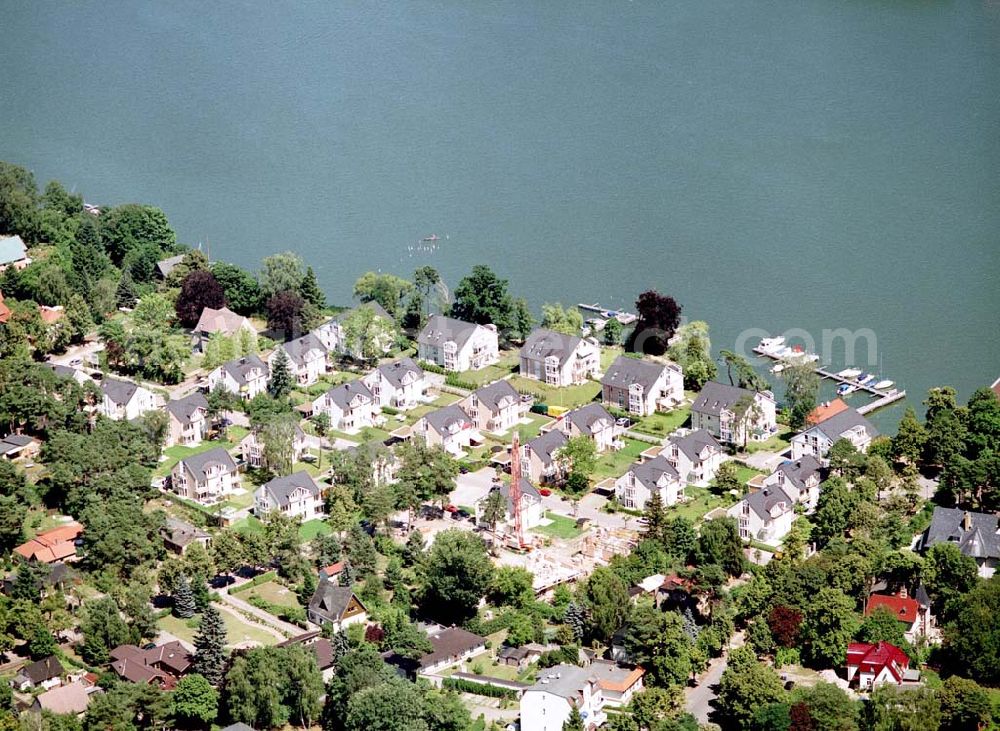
[(557, 411)]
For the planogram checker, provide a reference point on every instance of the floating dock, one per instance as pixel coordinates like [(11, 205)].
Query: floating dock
[(882, 398), (625, 318)]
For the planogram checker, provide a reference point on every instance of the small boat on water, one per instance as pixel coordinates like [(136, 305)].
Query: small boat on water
[(869, 381), (882, 385), (850, 373), (845, 389), (432, 237), (771, 345), (863, 377), (778, 368)]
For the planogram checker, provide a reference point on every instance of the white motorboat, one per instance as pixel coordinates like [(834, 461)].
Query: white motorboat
[(850, 373), (778, 368), (771, 345), (882, 385)]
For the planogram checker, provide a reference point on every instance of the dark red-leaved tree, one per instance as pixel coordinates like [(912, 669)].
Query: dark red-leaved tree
[(284, 313), (800, 717), (198, 291), (374, 634), (784, 623), (659, 317)]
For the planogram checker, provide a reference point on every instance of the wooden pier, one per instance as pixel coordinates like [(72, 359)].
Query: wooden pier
[(882, 398), (625, 318)]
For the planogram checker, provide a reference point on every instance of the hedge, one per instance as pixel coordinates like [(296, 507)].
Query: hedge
[(540, 408), (470, 686), (295, 615), (455, 381), (261, 579), (432, 367)]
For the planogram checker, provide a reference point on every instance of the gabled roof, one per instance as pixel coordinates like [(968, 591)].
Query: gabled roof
[(448, 417), (346, 393), (64, 371), (300, 347), (527, 489), (281, 488), (497, 395), (331, 601), (825, 410), (586, 418), (625, 372), (975, 534), (543, 343), (546, 445), (904, 609), (118, 391), (397, 370), (165, 266), (649, 473), (765, 502), (374, 306), (841, 422), (694, 443), (240, 368), (614, 677), (184, 409), (717, 397), (71, 698), (12, 249), (41, 670), (180, 533), (197, 464), (873, 658), (172, 656), (440, 330), (223, 321), (52, 545), (801, 470)]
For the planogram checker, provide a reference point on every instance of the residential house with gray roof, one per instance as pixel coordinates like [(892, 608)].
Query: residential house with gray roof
[(531, 505), (642, 387), (400, 384), (178, 536), (207, 477), (547, 704), (252, 448), (716, 407), (494, 408), (296, 495), (540, 457), (800, 479), (124, 399), (449, 427), (351, 406), (977, 535), (165, 266), (13, 253), (187, 420), (765, 515), (592, 421), (245, 377), (557, 359), (695, 455), (644, 478), (458, 346), (336, 605), (306, 358), (76, 374), (847, 424)]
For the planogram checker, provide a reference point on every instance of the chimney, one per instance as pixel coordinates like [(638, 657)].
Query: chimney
[(903, 594), (967, 521)]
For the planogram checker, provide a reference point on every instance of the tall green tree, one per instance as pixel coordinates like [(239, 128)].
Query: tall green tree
[(184, 599), (311, 291), (128, 228), (281, 382), (801, 392), (483, 298), (210, 643), (386, 289), (605, 598), (457, 574), (280, 273), (656, 640), (194, 701), (746, 687), (242, 292)]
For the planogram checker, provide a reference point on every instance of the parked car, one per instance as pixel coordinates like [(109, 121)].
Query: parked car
[(544, 492)]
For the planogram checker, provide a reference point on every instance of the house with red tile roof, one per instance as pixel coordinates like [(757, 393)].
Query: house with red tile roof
[(53, 545), (873, 665), (913, 615)]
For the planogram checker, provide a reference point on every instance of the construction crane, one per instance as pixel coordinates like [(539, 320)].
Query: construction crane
[(515, 489)]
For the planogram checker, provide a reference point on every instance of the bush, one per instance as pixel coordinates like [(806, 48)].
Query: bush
[(295, 615), (432, 367), (456, 381), (255, 581), (786, 656), (389, 411), (462, 685), (540, 408)]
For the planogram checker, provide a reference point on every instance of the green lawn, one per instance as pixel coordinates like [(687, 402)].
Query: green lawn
[(701, 500), (508, 363), (177, 452), (608, 355), (312, 528), (273, 592), (560, 527), (663, 423), (249, 524), (615, 464), (239, 502), (778, 443), (237, 630), (532, 430), (569, 397), (745, 472)]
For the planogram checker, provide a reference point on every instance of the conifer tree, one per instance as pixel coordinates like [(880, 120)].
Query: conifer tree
[(126, 294), (576, 619), (574, 722), (184, 599), (339, 646), (210, 642), (310, 290), (281, 376), (656, 517)]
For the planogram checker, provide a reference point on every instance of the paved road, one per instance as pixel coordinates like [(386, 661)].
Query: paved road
[(698, 700)]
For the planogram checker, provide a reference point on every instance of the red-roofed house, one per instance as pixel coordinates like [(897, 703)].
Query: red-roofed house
[(825, 410), (53, 545), (877, 664), (915, 617)]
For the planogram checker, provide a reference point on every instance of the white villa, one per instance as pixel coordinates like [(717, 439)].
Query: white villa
[(847, 424), (350, 406), (206, 478), (559, 360), (125, 400), (246, 377), (306, 358), (400, 384), (642, 387), (713, 411), (296, 495), (458, 346)]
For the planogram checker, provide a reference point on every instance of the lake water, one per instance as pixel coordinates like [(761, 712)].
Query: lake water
[(810, 164)]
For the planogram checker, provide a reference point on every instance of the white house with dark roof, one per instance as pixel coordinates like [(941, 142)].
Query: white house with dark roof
[(539, 457), (493, 408), (976, 534), (124, 399), (336, 605), (696, 456), (642, 387), (252, 448), (13, 253), (531, 505), (187, 420), (765, 515), (350, 406), (656, 475), (458, 346), (547, 704), (76, 374), (207, 477), (448, 427), (559, 360), (800, 479), (245, 377), (593, 421), (334, 336), (847, 424), (306, 358), (222, 322), (713, 411), (297, 496), (400, 384)]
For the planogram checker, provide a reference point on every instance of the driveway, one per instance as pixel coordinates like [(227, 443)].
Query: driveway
[(472, 487), (698, 700), (766, 461)]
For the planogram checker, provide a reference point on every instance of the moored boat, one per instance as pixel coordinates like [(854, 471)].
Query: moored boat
[(882, 385), (850, 373)]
